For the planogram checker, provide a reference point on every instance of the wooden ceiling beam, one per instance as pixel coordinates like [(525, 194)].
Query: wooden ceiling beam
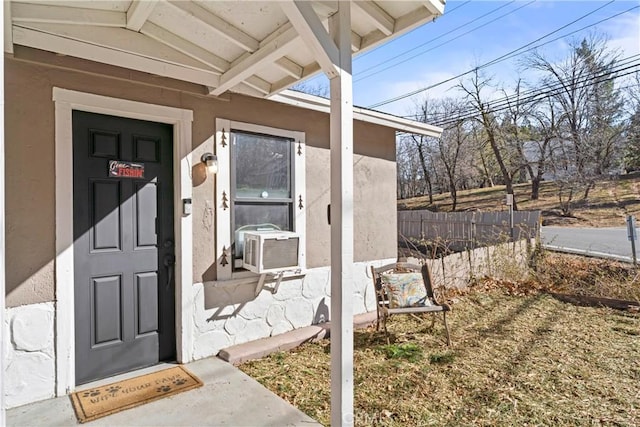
[(181, 45), (313, 33), (219, 25), (381, 19), (138, 13), (112, 56), (248, 65), (48, 14)]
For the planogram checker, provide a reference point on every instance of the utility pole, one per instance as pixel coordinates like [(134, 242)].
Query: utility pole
[(509, 202), (633, 236)]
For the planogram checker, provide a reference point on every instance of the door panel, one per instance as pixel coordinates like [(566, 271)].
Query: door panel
[(147, 292), (146, 149), (107, 310), (124, 293), (105, 200), (104, 144), (146, 207)]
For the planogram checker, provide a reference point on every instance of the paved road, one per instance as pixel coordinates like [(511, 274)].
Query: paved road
[(595, 241)]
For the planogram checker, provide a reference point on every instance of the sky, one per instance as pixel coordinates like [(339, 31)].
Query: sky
[(472, 33)]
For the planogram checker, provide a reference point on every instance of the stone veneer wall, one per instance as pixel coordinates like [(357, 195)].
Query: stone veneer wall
[(508, 261), (236, 315), (30, 366)]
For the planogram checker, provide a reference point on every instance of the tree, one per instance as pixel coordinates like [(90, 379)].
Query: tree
[(486, 168), (451, 146), (544, 134), (421, 146), (474, 94), (441, 157), (582, 88), (589, 126), (317, 89), (517, 133), (632, 147), (410, 182), (632, 150)]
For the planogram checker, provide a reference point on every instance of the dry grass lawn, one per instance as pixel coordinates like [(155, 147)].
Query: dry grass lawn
[(519, 358)]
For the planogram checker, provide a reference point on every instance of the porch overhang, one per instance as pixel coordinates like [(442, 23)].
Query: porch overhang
[(256, 48)]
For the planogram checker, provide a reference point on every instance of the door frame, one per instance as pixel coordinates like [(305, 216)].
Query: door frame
[(65, 101)]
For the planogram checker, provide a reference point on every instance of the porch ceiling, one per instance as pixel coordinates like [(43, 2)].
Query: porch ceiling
[(256, 48)]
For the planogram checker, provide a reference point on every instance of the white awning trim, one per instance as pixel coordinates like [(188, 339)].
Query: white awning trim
[(318, 103)]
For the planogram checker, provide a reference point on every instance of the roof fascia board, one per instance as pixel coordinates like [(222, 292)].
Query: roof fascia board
[(404, 24), (317, 103), (436, 7)]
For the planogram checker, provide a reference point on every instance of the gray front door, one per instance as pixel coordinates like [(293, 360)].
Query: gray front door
[(123, 244)]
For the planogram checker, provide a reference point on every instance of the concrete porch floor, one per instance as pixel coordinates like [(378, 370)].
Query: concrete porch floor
[(229, 397)]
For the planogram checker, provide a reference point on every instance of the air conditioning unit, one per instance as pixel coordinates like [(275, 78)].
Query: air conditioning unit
[(271, 251)]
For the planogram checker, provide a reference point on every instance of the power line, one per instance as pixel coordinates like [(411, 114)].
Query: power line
[(532, 94), (400, 133), (546, 93), (538, 97), (524, 94), (437, 38), (448, 13), (508, 55)]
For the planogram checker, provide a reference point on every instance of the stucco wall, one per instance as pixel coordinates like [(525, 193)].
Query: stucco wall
[(30, 177)]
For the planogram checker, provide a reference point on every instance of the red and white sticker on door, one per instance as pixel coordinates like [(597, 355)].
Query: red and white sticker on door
[(118, 168)]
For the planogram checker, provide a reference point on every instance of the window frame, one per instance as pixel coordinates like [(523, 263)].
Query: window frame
[(225, 187), (255, 201)]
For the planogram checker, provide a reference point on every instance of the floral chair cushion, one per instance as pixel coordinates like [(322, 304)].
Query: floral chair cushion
[(405, 290)]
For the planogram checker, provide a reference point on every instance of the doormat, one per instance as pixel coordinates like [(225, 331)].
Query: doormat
[(115, 397)]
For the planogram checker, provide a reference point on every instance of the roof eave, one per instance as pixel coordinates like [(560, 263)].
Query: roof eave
[(317, 103)]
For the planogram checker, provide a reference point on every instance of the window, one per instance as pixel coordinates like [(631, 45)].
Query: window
[(261, 167), (259, 186)]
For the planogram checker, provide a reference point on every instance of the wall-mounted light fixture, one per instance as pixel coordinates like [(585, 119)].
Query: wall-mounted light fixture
[(211, 162)]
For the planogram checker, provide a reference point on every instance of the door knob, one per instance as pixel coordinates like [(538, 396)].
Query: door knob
[(169, 260)]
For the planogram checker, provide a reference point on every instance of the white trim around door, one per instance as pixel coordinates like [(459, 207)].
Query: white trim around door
[(65, 102)]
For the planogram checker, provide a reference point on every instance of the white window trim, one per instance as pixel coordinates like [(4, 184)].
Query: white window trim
[(65, 102), (224, 260)]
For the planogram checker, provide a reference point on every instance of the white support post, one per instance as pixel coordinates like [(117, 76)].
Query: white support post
[(342, 223), (2, 245)]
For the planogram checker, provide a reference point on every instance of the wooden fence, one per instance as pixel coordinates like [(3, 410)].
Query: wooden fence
[(466, 230)]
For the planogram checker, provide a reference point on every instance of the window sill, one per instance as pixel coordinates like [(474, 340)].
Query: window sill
[(249, 278)]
